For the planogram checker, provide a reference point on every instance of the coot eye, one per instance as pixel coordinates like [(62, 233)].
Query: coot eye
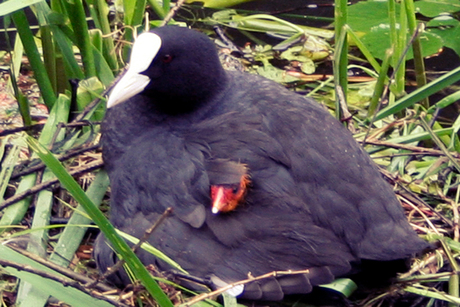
[(167, 58)]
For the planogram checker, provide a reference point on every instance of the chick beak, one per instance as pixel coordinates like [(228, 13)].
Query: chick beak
[(226, 198), (218, 199)]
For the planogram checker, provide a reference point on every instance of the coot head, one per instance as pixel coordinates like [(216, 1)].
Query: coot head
[(229, 182), (179, 70)]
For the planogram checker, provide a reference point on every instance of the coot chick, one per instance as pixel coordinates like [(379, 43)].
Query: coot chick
[(229, 183), (311, 197)]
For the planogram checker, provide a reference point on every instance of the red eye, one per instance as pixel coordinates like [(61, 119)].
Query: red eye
[(167, 58)]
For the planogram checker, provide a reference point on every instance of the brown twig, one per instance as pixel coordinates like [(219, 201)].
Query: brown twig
[(409, 196), (41, 165), (144, 238), (62, 280), (409, 147), (26, 128), (96, 101), (392, 78), (431, 259), (20, 129), (172, 12), (228, 43), (61, 158), (37, 188), (241, 282), (346, 115), (455, 220), (427, 220), (56, 133), (64, 271)]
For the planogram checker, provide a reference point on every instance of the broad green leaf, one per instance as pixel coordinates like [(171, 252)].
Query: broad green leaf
[(15, 213), (31, 49), (433, 8), (429, 292), (103, 70), (378, 41), (7, 165), (271, 72), (229, 300), (343, 285), (88, 90), (420, 93), (48, 287), (8, 7), (29, 294), (448, 29), (71, 237), (366, 15)]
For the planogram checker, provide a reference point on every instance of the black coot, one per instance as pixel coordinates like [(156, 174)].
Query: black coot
[(260, 179)]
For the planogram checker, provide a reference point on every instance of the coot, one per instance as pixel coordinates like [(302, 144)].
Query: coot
[(300, 193)]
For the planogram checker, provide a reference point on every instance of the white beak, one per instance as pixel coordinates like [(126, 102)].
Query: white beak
[(145, 49)]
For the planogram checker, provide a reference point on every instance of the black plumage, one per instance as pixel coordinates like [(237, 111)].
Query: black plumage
[(316, 200)]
